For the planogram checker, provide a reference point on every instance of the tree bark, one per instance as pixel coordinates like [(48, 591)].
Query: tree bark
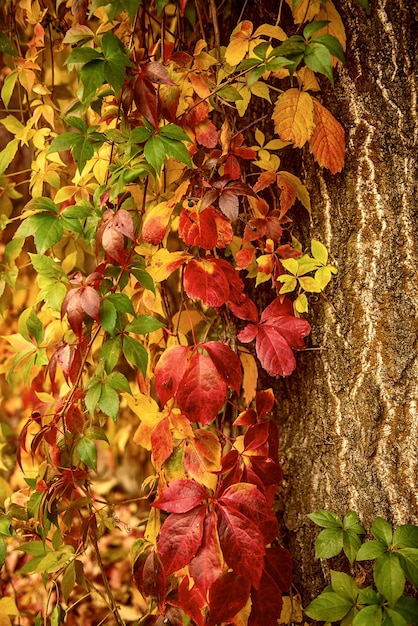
[(348, 415)]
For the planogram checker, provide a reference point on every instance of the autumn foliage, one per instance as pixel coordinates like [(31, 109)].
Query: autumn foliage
[(151, 209)]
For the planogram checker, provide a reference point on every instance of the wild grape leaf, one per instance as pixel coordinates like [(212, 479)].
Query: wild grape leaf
[(294, 117), (227, 596), (202, 457), (161, 442), (276, 579), (181, 496), (191, 600), (169, 371), (242, 544), (248, 500), (180, 538), (206, 566), (146, 100), (201, 392), (226, 362), (204, 279), (198, 229), (264, 402), (77, 303), (246, 310), (236, 285), (239, 43), (327, 143)]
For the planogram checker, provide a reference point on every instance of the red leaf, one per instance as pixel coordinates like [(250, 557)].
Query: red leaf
[(206, 134), (264, 402), (76, 303), (245, 257), (157, 73), (247, 310), (74, 419), (204, 279), (79, 10), (277, 577), (181, 496), (180, 538), (264, 180), (154, 582), (226, 362), (90, 302), (288, 193), (227, 596), (123, 223), (248, 333), (201, 392), (242, 544), (146, 100), (198, 229), (255, 229), (191, 601), (206, 566), (236, 294), (229, 204), (246, 418), (224, 229), (113, 244), (169, 371), (161, 442)]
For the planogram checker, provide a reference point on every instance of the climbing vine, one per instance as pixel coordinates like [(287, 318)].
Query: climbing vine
[(142, 200)]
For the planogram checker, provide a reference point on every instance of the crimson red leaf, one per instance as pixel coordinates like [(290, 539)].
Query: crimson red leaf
[(201, 392), (246, 418), (198, 229), (248, 333), (191, 601), (169, 371), (242, 544), (236, 285), (226, 362), (181, 496), (274, 352), (180, 538), (264, 402), (206, 566), (276, 579), (205, 280), (227, 596), (256, 436), (247, 310)]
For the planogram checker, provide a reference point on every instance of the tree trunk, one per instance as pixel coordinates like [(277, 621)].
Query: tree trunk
[(348, 415)]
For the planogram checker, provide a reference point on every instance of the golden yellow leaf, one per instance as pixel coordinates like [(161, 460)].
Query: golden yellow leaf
[(239, 43), (327, 143), (294, 117), (261, 90), (306, 10), (307, 79), (164, 263), (275, 32)]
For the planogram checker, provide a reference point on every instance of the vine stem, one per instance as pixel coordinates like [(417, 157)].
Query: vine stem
[(113, 606), (216, 30)]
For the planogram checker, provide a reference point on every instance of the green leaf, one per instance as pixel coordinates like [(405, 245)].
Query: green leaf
[(116, 59), (368, 596), (364, 4), (144, 324), (8, 88), (49, 231), (5, 528), (172, 131), (389, 577), (3, 552), (408, 608), (96, 432), (344, 586), (371, 550), (87, 451), (7, 46), (54, 561), (63, 142), (34, 548), (351, 544), (406, 536), (107, 315), (350, 522), (110, 352), (121, 302), (109, 401), (230, 94), (155, 153), (329, 543), (326, 519), (369, 616), (318, 58), (311, 28), (141, 134), (35, 327), (68, 581), (118, 381), (92, 77), (83, 54), (7, 155), (144, 279), (393, 618), (382, 530), (333, 45), (328, 607), (408, 558), (82, 151), (177, 151), (135, 354), (92, 396)]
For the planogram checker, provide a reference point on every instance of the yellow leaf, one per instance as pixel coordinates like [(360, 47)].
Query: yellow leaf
[(239, 43), (8, 605), (261, 90), (305, 10), (275, 32), (307, 79), (327, 143), (250, 375), (163, 263), (294, 117), (245, 94)]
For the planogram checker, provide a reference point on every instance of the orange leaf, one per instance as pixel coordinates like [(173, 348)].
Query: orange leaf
[(294, 117), (238, 46), (203, 457), (327, 143)]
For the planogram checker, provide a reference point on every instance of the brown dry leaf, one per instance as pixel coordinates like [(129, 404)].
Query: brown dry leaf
[(327, 143), (306, 10), (294, 117)]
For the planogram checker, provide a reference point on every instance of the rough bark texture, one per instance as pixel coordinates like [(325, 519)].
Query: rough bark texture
[(349, 413)]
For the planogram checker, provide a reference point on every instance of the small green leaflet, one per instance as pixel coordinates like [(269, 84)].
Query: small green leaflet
[(87, 451)]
